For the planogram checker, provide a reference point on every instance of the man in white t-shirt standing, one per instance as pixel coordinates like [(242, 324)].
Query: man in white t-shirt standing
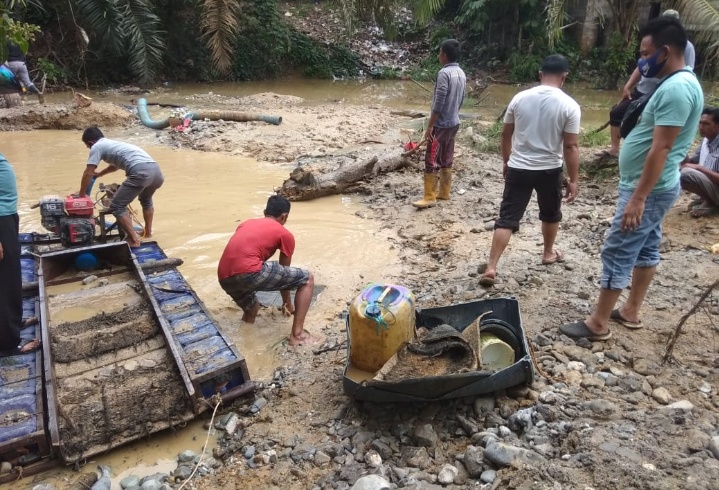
[(541, 129)]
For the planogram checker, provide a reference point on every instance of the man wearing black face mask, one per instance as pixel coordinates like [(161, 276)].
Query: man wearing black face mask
[(648, 179)]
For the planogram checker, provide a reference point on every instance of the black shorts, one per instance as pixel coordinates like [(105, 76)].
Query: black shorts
[(518, 187), (616, 114)]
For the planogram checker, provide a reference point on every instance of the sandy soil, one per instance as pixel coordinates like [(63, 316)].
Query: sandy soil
[(605, 425)]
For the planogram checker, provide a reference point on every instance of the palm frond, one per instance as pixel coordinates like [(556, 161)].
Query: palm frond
[(104, 20), (425, 9), (557, 15), (701, 18), (220, 22), (143, 38)]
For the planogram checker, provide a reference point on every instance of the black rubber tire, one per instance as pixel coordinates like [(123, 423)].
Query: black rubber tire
[(504, 332)]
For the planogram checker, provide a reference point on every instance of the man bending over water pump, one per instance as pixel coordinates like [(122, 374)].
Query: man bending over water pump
[(143, 178), (244, 268)]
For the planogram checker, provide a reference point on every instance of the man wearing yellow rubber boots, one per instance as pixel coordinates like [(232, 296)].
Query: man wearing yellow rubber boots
[(443, 125)]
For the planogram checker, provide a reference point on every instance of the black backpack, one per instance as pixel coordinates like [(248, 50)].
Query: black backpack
[(635, 109)]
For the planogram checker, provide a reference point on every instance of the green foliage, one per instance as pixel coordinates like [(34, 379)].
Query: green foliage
[(496, 28), (53, 73), (438, 36), (427, 69), (128, 31), (590, 138), (386, 73), (618, 56), (491, 138), (267, 46), (263, 44), (20, 33), (523, 66), (219, 21), (320, 61)]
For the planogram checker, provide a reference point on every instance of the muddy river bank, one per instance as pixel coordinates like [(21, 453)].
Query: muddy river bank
[(609, 415)]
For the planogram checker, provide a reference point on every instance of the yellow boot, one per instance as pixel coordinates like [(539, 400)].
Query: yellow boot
[(445, 184), (430, 192)]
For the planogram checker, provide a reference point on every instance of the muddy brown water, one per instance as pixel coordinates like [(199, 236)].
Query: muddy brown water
[(204, 197), (400, 94)]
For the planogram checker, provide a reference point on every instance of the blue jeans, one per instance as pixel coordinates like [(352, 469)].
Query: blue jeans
[(623, 251)]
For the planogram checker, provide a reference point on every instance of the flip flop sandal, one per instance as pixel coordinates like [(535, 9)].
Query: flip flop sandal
[(18, 350), (703, 212), (487, 282), (558, 258), (579, 330), (617, 317), (694, 203)]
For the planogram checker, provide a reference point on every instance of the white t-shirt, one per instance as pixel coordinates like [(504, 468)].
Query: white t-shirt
[(541, 115)]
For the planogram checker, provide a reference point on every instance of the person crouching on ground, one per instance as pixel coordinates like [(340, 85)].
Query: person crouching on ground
[(540, 126), (142, 178), (700, 172), (443, 125), (244, 268)]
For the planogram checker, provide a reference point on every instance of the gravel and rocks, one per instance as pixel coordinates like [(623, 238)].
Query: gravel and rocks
[(600, 415)]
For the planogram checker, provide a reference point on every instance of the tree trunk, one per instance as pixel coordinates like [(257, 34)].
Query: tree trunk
[(305, 185), (590, 28)]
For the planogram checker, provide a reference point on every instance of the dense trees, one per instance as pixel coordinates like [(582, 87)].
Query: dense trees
[(101, 41)]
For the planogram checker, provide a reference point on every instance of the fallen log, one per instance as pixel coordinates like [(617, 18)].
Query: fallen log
[(306, 184)]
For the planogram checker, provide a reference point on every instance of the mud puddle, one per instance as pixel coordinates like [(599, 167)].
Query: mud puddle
[(204, 197)]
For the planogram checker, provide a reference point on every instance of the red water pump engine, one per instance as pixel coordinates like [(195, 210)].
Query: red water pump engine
[(71, 218)]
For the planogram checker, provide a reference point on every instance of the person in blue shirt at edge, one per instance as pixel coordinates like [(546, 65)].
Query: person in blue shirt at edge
[(11, 320), (642, 86), (648, 180)]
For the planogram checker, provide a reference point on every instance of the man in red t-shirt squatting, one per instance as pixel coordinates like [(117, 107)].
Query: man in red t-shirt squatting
[(244, 268)]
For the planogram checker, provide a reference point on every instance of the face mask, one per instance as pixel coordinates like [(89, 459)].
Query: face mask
[(649, 67)]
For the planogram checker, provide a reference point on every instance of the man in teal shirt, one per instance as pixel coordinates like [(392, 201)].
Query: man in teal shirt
[(10, 274), (648, 180)]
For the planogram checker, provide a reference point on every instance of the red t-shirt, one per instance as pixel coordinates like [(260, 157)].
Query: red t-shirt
[(254, 241)]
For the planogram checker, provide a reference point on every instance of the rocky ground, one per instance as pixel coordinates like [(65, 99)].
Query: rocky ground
[(601, 415)]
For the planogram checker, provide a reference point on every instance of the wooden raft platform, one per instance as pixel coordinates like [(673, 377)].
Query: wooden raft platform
[(127, 353)]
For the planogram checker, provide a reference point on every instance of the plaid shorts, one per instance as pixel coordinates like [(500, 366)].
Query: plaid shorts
[(272, 277)]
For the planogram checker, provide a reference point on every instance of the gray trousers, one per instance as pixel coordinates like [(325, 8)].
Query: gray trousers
[(697, 180), (142, 181), (19, 69)]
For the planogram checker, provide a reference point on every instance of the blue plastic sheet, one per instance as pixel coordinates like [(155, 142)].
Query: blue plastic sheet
[(23, 405)]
